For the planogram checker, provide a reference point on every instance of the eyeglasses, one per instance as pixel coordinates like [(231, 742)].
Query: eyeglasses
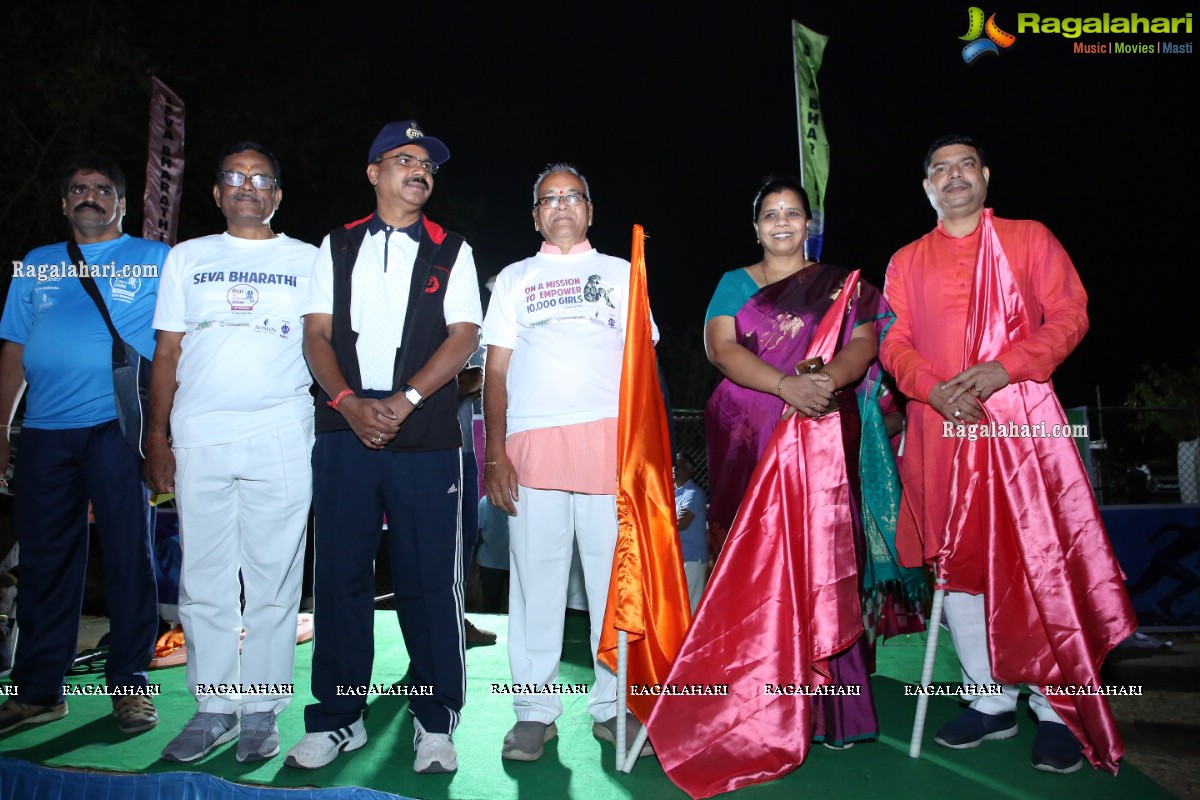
[(234, 178), (406, 160), (556, 200)]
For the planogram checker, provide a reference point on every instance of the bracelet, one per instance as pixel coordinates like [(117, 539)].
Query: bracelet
[(6, 427), (779, 386), (490, 463), (833, 378), (334, 402)]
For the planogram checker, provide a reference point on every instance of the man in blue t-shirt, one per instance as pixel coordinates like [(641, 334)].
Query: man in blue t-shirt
[(72, 450), (691, 509)]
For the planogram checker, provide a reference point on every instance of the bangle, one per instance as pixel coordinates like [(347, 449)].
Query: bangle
[(779, 386), (6, 427), (334, 402), (490, 463), (833, 378)]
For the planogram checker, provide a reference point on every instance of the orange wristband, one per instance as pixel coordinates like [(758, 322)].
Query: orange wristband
[(334, 402)]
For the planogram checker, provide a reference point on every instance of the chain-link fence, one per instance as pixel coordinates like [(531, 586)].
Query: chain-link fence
[(1143, 455), (689, 439)]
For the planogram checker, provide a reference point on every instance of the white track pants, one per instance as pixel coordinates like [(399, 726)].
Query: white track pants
[(243, 505), (540, 544)]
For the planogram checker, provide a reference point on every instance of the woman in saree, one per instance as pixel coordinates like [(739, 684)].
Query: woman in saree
[(780, 625), (758, 328)]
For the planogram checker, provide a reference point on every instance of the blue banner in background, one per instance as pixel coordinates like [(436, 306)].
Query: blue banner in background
[(1159, 549)]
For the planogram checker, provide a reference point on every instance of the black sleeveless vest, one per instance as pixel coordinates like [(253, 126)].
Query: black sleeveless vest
[(434, 426)]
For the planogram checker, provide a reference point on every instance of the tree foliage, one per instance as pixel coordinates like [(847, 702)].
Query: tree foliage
[(1175, 394)]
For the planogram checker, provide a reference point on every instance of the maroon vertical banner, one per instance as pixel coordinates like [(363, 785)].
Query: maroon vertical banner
[(164, 166)]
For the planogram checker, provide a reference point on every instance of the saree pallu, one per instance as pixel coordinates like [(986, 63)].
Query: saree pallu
[(781, 614), (777, 325)]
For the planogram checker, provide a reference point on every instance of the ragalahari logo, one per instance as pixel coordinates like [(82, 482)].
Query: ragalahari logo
[(976, 28)]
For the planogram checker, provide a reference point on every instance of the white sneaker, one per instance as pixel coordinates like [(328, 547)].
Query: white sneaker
[(435, 751), (318, 749)]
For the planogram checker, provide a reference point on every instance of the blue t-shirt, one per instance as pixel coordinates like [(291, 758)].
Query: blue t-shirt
[(68, 349), (694, 543)]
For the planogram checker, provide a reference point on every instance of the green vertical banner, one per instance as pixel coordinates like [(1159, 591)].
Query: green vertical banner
[(808, 48)]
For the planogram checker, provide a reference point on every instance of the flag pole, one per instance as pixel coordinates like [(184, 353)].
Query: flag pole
[(799, 108), (935, 626), (639, 742), (622, 677)]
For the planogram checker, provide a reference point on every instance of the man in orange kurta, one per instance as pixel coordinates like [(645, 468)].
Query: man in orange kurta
[(986, 309)]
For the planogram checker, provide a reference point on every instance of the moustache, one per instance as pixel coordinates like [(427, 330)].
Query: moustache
[(89, 204), (419, 179)]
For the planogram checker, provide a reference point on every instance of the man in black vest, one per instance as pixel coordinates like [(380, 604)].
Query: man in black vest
[(392, 316)]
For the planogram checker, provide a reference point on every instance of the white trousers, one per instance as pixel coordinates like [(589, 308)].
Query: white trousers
[(243, 505), (540, 546), (696, 573), (966, 617)]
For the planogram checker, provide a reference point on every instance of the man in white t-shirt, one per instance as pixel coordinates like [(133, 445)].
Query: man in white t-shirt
[(555, 333), (392, 316), (229, 375)]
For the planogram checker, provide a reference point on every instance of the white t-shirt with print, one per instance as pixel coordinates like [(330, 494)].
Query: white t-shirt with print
[(563, 316), (237, 302)]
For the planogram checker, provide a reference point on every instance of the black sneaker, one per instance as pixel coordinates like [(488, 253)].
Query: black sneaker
[(973, 727), (476, 636), (1055, 749)]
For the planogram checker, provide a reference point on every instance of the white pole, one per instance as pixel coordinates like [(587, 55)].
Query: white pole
[(935, 625), (636, 750), (622, 665)]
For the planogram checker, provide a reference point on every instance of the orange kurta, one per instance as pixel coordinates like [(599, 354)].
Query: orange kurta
[(929, 288), (1011, 517)]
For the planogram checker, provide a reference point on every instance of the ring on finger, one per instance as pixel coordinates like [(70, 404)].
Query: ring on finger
[(957, 413)]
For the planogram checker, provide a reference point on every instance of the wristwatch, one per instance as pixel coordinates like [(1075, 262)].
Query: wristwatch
[(412, 395)]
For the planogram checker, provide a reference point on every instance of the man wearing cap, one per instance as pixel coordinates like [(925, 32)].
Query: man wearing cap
[(555, 336), (392, 315)]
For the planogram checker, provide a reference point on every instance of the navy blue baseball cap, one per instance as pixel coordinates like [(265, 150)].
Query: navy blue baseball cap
[(397, 134)]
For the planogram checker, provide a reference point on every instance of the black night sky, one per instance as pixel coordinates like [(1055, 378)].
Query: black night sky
[(674, 112)]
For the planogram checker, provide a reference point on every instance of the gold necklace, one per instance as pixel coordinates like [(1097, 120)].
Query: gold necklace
[(762, 266)]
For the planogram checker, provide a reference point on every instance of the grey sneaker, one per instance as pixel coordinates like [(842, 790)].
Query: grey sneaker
[(435, 751), (260, 737), (317, 749), (524, 742), (607, 732), (200, 735), (14, 714)]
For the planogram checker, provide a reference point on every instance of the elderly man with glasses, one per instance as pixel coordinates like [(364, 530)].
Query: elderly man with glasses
[(392, 316), (555, 336), (229, 376)]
